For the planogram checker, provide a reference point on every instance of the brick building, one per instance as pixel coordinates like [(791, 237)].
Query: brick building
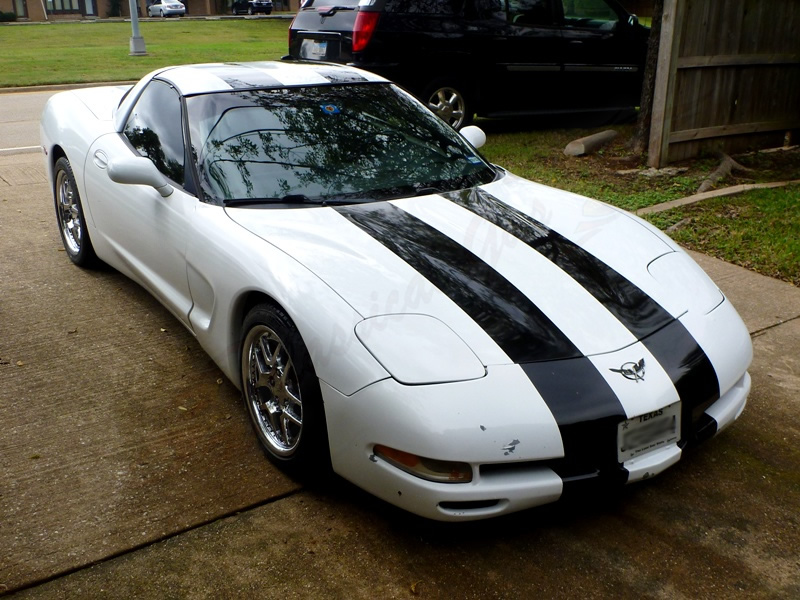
[(60, 10)]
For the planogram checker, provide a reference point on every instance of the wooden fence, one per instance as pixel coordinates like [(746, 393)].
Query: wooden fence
[(728, 77)]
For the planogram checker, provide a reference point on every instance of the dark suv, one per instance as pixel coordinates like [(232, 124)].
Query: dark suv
[(491, 57)]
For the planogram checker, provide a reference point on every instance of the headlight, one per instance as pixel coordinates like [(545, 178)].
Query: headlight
[(683, 278), (419, 349)]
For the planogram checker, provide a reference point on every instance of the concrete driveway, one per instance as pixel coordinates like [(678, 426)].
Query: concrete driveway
[(128, 470)]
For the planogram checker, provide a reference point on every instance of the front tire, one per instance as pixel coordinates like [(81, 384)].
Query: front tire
[(449, 101), (70, 216), (281, 391)]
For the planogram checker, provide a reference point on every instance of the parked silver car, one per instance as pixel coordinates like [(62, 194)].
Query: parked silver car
[(166, 8)]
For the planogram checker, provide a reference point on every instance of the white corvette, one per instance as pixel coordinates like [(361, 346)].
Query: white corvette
[(456, 340)]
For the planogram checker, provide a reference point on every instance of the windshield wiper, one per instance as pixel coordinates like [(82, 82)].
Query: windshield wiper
[(426, 190), (288, 199), (300, 199), (329, 11)]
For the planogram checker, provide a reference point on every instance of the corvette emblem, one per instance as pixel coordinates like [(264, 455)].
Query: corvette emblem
[(631, 370)]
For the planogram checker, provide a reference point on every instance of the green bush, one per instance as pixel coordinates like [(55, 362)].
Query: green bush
[(7, 17), (114, 8)]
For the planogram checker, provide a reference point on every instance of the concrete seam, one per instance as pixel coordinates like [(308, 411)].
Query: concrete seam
[(144, 545), (763, 330)]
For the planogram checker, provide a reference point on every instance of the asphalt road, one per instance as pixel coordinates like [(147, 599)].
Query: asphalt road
[(19, 121), (128, 470)]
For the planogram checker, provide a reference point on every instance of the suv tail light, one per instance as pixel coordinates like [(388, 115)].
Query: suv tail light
[(363, 29)]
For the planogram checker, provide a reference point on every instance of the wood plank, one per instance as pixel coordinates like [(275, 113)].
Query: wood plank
[(688, 135), (665, 84), (730, 60)]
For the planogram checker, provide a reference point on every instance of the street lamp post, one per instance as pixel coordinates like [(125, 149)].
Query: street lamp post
[(137, 41)]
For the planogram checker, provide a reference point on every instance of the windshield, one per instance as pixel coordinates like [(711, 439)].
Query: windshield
[(326, 144)]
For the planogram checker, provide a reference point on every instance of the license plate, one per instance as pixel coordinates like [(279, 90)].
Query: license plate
[(648, 432), (314, 49)]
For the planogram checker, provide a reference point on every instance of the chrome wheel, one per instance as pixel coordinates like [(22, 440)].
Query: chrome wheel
[(272, 391), (68, 212), (450, 105)]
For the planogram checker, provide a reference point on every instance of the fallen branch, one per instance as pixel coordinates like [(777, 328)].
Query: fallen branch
[(590, 143), (653, 172)]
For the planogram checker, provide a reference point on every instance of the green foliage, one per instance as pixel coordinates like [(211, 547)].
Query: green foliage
[(7, 17), (114, 8)]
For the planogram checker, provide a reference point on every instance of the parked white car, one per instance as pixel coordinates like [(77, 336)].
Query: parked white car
[(456, 340)]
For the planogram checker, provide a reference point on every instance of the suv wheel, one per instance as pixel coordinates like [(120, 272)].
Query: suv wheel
[(449, 101)]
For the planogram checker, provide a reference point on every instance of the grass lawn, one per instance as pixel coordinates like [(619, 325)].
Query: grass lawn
[(99, 51), (759, 230)]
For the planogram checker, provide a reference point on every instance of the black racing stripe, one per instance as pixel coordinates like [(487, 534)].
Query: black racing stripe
[(335, 75), (629, 304), (585, 407), (241, 77), (691, 372), (666, 338), (518, 326)]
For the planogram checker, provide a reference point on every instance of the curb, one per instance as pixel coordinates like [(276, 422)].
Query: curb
[(728, 191), (57, 87)]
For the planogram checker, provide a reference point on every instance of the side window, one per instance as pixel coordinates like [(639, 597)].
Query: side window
[(431, 7), (594, 14), (530, 12), (485, 9), (155, 129)]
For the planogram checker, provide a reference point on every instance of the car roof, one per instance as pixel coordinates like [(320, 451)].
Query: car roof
[(222, 77)]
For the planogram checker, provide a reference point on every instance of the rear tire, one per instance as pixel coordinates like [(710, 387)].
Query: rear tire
[(449, 100), (70, 216)]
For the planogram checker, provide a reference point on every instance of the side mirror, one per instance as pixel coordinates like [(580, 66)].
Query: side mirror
[(474, 135), (138, 170), (633, 20)]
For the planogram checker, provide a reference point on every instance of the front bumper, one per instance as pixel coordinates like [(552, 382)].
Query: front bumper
[(441, 422)]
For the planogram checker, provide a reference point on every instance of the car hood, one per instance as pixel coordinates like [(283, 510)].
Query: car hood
[(101, 101), (521, 272)]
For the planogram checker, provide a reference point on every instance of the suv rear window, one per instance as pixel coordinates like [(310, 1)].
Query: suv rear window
[(328, 3), (439, 7)]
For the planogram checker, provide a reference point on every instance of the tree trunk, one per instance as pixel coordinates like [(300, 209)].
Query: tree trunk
[(641, 135)]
